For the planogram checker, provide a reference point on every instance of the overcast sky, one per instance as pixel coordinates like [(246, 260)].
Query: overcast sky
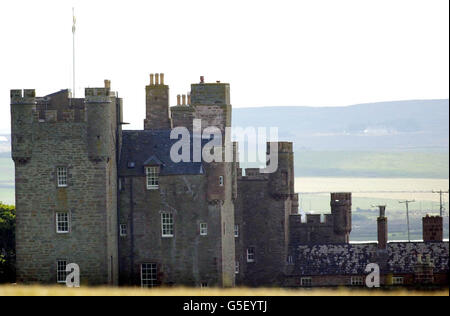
[(273, 53)]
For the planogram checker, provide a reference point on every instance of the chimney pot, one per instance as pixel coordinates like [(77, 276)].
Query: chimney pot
[(189, 99), (161, 78), (152, 79), (178, 99), (202, 79), (107, 84), (157, 79), (184, 99)]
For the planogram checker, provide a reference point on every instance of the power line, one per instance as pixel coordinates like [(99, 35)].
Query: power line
[(406, 202)]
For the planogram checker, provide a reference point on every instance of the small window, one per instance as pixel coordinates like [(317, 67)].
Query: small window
[(237, 267), (290, 260), (357, 281), (61, 273), (203, 229), (149, 274), (123, 230), (251, 254), (204, 285), (236, 231), (398, 280), (152, 178), (306, 282), (221, 181), (167, 224), (62, 222), (61, 174)]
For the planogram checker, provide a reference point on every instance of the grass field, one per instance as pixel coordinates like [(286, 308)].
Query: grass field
[(409, 164), (13, 290)]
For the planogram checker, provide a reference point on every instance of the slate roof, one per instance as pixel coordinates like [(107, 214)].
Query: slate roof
[(141, 147), (352, 259)]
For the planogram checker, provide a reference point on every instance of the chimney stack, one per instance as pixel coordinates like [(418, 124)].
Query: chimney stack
[(184, 99), (382, 228), (152, 79), (202, 79), (433, 228), (189, 99), (178, 99), (161, 78), (157, 79), (107, 84)]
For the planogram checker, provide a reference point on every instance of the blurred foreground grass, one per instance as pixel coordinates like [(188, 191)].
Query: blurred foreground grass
[(15, 290)]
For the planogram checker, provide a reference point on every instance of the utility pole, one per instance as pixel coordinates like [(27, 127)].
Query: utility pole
[(407, 214), (441, 208)]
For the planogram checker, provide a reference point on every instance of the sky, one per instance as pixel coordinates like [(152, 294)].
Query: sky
[(273, 53)]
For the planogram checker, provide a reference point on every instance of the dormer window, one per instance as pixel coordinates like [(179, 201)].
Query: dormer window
[(152, 174)]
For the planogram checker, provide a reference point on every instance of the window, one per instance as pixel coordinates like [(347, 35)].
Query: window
[(61, 175), (236, 267), (398, 280), (251, 254), (62, 223), (236, 231), (357, 281), (204, 285), (306, 282), (148, 274), (61, 271), (152, 178), (167, 224), (290, 260), (203, 229), (221, 181), (123, 230)]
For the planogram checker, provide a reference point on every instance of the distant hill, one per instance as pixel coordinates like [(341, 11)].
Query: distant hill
[(385, 126)]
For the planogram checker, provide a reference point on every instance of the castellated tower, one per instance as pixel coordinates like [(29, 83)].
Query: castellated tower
[(157, 104), (64, 151), (211, 102), (341, 210)]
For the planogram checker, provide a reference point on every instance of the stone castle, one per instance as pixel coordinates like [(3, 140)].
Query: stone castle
[(113, 201)]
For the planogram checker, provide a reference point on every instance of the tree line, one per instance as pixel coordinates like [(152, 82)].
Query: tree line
[(7, 243)]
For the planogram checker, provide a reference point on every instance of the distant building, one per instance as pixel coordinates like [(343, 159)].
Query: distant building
[(115, 203)]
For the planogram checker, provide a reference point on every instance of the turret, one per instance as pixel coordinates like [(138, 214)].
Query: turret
[(212, 104), (157, 104), (23, 107), (99, 121), (282, 180), (341, 210)]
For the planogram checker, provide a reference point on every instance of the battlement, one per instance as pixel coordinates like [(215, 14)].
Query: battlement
[(341, 197), (210, 93), (430, 219), (312, 219), (66, 116), (27, 96)]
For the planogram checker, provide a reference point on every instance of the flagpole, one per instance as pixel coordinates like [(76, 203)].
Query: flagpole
[(73, 52)]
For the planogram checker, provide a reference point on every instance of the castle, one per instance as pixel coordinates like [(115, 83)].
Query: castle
[(114, 202)]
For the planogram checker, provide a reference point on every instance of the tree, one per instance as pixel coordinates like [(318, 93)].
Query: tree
[(7, 243)]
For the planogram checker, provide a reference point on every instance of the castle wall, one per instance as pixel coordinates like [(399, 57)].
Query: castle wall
[(184, 259)]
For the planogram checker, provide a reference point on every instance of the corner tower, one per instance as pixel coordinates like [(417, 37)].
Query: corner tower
[(341, 210)]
